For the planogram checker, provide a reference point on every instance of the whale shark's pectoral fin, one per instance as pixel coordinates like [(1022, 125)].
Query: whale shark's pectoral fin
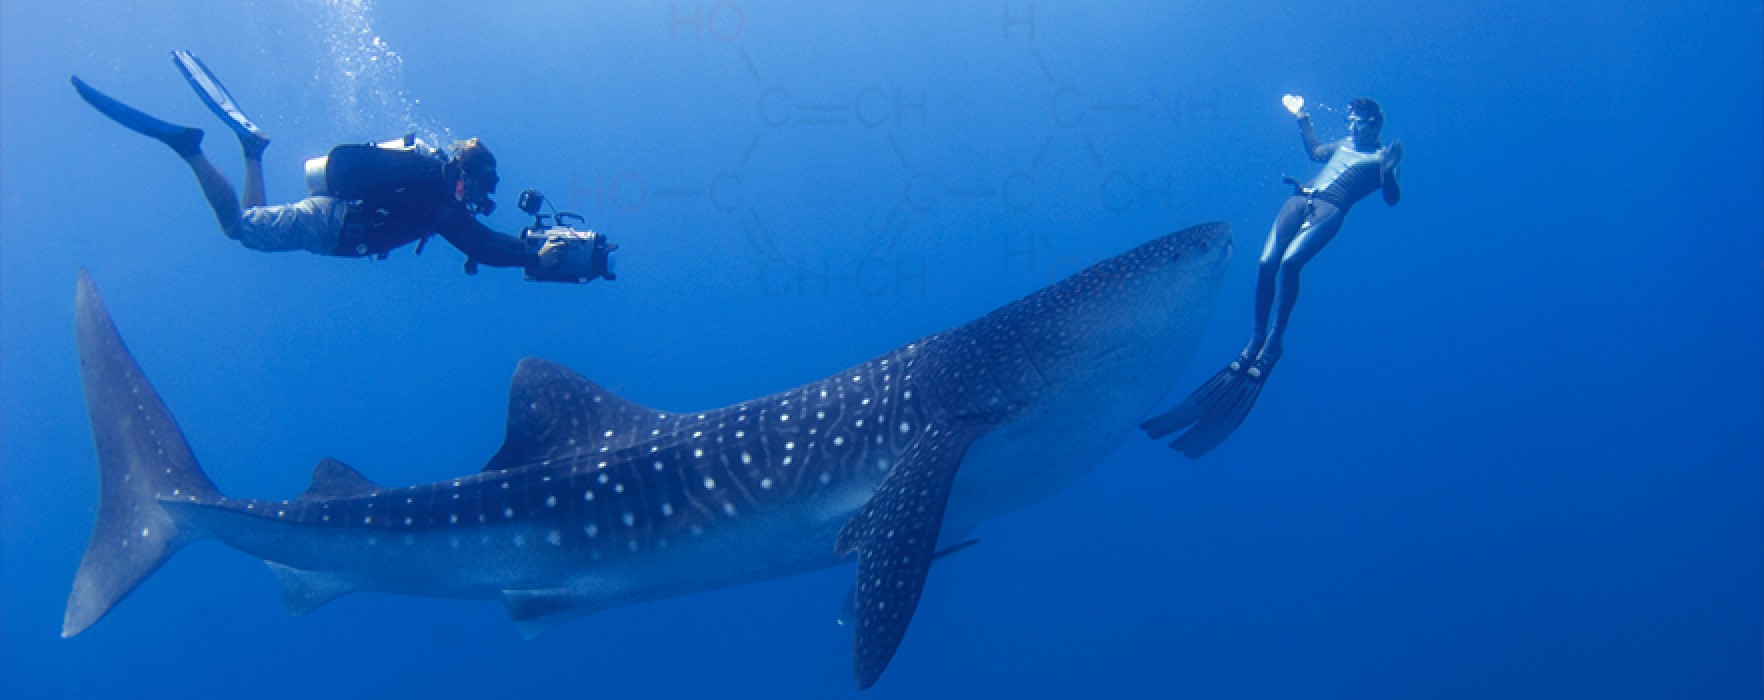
[(539, 610), (848, 609), (304, 591), (895, 536)]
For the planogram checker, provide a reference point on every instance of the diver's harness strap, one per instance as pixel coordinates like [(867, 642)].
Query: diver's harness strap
[(352, 240)]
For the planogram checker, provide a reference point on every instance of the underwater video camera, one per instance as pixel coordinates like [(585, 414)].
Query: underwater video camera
[(587, 255)]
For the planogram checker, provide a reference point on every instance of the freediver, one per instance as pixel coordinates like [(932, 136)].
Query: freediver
[(1354, 167), (367, 199)]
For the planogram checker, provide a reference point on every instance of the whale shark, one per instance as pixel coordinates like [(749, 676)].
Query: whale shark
[(594, 501)]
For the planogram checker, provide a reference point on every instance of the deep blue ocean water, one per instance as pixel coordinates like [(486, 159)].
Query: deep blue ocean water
[(1513, 451)]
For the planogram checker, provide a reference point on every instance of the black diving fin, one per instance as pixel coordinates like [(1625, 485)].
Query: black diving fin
[(1213, 411), (1226, 413), (1195, 406), (186, 140), (219, 101)]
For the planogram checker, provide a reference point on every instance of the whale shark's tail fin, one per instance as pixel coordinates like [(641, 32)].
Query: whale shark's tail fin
[(142, 461)]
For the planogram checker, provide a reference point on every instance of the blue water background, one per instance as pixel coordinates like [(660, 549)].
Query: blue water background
[(1514, 449)]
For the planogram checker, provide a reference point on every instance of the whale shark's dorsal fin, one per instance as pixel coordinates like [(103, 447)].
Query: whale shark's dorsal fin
[(334, 479), (553, 412)]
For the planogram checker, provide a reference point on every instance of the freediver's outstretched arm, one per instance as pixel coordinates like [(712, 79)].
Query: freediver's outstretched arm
[(1319, 151)]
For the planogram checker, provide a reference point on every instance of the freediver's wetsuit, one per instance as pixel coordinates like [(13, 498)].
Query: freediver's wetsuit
[(391, 199), (1305, 224), (1347, 177), (1312, 216)]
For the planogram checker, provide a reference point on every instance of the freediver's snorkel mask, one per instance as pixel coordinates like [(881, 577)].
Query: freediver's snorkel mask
[(1369, 117)]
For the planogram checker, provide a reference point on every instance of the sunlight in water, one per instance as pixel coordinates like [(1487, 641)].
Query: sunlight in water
[(367, 76)]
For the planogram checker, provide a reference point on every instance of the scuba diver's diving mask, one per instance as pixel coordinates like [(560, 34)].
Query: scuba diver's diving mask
[(481, 186), (477, 178)]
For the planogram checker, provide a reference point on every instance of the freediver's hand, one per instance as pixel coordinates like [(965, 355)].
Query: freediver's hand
[(1294, 104), (1393, 158)]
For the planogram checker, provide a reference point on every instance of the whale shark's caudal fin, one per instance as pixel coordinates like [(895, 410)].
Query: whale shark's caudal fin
[(142, 460)]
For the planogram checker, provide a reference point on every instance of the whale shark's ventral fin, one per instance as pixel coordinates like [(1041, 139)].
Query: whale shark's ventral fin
[(895, 536), (540, 610), (303, 591), (554, 412)]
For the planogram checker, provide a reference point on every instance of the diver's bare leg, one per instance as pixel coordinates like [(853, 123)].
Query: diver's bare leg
[(252, 144), (254, 196), (218, 191)]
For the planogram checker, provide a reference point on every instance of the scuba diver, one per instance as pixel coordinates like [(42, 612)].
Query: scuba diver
[(1354, 168), (367, 199)]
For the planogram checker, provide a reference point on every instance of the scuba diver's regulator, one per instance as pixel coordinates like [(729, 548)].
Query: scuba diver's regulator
[(585, 256)]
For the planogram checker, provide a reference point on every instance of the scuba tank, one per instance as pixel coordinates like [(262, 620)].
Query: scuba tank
[(356, 171)]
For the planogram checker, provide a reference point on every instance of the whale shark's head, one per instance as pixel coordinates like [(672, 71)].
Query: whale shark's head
[(1065, 373), (1133, 318), (1140, 310)]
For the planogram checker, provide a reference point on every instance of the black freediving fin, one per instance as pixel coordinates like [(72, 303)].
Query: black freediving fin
[(1228, 412), (1195, 407), (186, 140), (895, 536), (217, 98)]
